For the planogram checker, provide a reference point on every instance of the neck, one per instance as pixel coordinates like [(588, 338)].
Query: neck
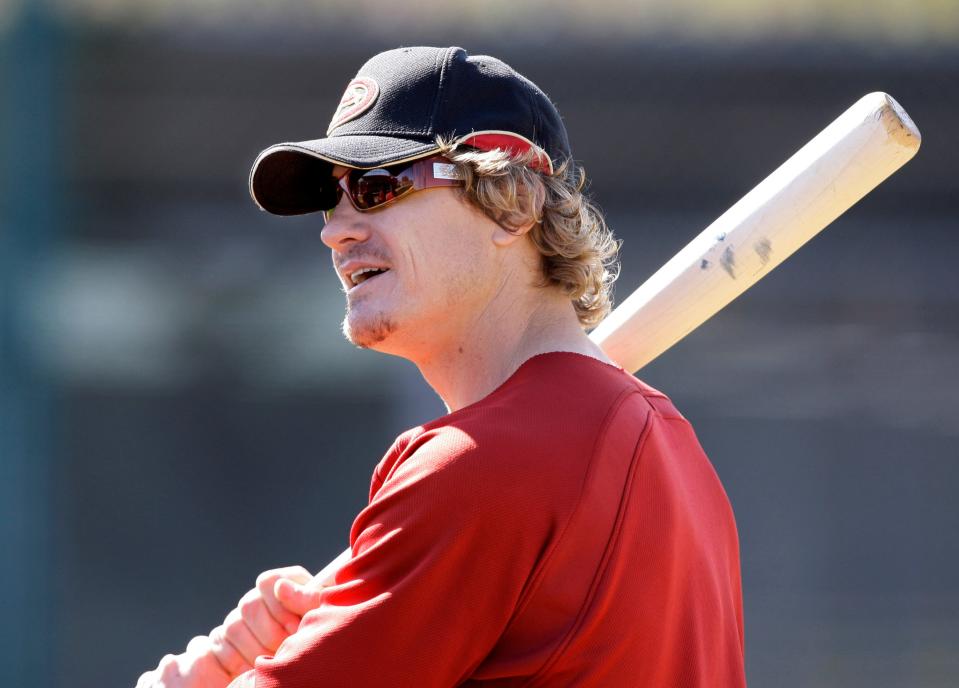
[(473, 365)]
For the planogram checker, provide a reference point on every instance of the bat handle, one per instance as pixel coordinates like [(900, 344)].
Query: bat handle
[(326, 575)]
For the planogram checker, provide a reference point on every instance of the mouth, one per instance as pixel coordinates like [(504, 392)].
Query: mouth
[(364, 275)]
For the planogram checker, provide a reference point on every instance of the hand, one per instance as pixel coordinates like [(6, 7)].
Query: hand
[(265, 617), (195, 668)]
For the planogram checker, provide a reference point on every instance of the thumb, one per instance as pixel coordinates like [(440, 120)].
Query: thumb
[(295, 597)]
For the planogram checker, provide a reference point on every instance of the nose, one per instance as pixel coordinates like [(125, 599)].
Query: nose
[(345, 228)]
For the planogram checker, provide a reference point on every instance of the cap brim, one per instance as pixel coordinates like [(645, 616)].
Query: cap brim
[(294, 178)]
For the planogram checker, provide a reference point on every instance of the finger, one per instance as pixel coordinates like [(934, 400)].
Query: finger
[(168, 672), (261, 623), (266, 583), (228, 656), (295, 573), (285, 618), (199, 666), (146, 679), (198, 645), (236, 632), (296, 598), (205, 670)]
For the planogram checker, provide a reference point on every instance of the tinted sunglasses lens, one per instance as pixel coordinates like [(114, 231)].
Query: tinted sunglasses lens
[(376, 187)]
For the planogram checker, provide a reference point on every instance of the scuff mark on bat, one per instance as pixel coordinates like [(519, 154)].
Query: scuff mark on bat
[(704, 264), (763, 249), (721, 236), (728, 261)]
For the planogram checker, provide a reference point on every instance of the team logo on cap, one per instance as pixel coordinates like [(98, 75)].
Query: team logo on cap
[(359, 97)]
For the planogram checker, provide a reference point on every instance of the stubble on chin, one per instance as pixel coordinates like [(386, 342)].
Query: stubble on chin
[(367, 332)]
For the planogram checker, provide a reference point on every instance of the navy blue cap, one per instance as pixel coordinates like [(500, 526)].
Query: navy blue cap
[(392, 112)]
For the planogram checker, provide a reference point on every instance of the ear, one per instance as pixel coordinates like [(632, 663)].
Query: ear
[(504, 235)]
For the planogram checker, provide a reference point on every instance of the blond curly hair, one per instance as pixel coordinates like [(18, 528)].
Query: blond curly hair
[(579, 251)]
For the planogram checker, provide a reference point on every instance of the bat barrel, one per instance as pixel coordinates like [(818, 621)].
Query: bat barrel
[(828, 175)]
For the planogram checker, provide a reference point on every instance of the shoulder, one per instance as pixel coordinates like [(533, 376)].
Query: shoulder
[(535, 435)]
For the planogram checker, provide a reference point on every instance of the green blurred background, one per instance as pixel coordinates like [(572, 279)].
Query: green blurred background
[(178, 410)]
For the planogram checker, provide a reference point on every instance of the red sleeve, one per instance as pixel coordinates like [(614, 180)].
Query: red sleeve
[(440, 557)]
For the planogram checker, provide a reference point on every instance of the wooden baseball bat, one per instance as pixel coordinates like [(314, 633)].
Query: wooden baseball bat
[(826, 177)]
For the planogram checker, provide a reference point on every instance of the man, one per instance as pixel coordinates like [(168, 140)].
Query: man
[(561, 526)]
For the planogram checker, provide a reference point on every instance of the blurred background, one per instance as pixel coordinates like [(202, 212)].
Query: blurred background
[(178, 410)]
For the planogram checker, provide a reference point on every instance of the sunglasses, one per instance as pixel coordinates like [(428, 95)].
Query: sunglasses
[(373, 189)]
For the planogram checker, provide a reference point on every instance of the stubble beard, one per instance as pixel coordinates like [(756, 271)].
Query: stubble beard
[(366, 331)]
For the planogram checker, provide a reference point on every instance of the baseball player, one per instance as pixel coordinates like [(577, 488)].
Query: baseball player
[(561, 525)]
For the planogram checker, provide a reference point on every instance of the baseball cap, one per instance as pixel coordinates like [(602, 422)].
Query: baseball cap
[(392, 112)]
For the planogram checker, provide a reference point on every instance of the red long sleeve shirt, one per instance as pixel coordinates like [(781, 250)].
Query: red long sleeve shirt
[(566, 530)]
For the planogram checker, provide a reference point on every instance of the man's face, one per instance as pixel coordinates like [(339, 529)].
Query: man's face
[(439, 268)]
